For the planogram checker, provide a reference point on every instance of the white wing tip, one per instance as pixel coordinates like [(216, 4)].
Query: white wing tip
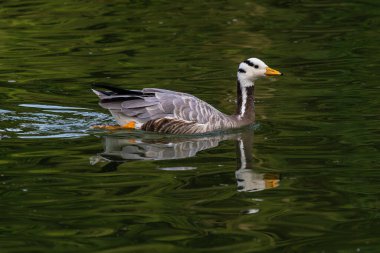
[(97, 92)]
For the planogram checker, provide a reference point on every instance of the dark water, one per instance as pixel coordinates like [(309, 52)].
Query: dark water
[(304, 179)]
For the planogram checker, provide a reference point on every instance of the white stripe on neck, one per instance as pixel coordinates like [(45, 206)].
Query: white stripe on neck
[(244, 84)]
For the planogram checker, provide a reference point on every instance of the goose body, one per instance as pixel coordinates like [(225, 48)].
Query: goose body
[(171, 112)]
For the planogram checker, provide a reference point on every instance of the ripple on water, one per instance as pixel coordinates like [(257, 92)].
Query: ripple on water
[(50, 121)]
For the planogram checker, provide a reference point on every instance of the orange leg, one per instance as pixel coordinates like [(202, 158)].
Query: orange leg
[(129, 125)]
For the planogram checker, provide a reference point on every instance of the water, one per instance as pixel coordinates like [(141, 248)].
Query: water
[(303, 179)]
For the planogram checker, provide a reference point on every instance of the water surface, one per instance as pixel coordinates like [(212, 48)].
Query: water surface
[(303, 179)]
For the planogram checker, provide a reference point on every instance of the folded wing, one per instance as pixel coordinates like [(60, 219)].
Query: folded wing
[(150, 105)]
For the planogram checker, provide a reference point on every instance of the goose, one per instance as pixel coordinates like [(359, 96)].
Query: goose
[(171, 112)]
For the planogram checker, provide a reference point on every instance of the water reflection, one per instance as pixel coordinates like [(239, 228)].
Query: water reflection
[(120, 149)]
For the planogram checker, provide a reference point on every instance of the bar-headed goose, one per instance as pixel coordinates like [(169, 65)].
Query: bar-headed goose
[(166, 111)]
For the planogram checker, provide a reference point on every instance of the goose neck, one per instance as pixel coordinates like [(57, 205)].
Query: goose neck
[(245, 99)]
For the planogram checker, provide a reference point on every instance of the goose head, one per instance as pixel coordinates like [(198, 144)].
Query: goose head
[(252, 69)]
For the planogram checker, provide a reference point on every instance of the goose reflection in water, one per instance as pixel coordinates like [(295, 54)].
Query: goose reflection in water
[(120, 149)]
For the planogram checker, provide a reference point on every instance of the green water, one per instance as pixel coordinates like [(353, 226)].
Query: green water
[(307, 179)]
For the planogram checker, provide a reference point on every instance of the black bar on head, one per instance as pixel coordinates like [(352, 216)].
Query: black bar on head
[(249, 63)]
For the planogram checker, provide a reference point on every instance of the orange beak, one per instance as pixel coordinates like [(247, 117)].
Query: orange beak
[(272, 72)]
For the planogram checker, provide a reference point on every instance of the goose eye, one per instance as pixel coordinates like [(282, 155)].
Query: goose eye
[(256, 66)]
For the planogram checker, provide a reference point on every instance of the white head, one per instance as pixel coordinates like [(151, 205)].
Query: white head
[(252, 69)]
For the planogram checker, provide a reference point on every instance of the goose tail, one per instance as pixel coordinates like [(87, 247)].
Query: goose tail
[(112, 90)]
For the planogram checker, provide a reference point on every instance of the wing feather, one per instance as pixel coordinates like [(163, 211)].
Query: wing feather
[(151, 103)]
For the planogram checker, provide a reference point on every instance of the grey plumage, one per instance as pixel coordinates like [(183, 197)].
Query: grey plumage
[(173, 112), (165, 111)]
